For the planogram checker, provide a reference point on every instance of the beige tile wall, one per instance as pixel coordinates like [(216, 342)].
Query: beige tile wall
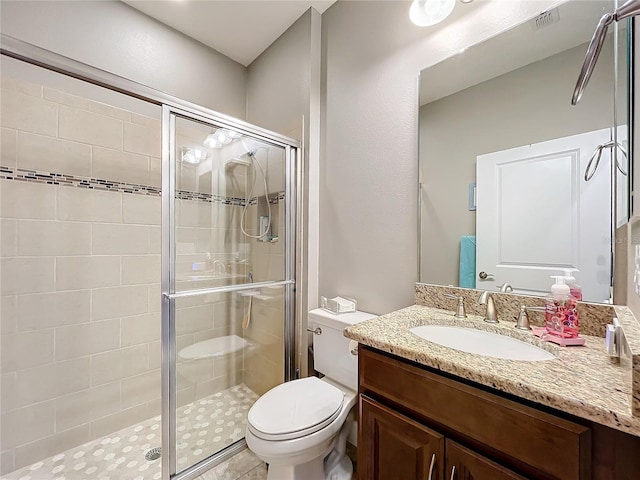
[(264, 364), (199, 319), (208, 230), (80, 273)]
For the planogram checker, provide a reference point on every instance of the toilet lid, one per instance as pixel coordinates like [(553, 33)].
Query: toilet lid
[(295, 408)]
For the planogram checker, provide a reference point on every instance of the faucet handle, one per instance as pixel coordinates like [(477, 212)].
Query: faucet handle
[(523, 318), (460, 313)]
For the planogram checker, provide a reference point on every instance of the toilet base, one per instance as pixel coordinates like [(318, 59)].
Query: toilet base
[(313, 470), (342, 471)]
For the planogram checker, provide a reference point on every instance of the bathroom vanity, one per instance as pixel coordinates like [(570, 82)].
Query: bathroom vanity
[(430, 412)]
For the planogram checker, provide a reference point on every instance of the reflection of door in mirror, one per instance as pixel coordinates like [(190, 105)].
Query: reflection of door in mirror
[(510, 91), (534, 206)]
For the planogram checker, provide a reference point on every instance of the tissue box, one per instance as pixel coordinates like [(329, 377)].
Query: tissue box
[(338, 305)]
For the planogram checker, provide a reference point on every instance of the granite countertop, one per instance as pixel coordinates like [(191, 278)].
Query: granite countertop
[(582, 381)]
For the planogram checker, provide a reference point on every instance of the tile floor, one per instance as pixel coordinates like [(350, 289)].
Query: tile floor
[(246, 466), (242, 466), (205, 426)]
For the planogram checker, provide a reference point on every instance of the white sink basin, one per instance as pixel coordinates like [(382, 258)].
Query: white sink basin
[(481, 343)]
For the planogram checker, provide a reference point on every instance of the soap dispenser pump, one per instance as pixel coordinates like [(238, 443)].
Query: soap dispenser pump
[(574, 288), (561, 312)]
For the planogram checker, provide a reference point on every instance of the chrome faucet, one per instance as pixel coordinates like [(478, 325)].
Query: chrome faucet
[(491, 316), (460, 313)]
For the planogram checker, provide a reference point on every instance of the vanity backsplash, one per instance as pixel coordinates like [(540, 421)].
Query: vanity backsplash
[(593, 316)]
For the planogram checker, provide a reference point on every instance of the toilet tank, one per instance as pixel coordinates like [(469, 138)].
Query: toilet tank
[(331, 353)]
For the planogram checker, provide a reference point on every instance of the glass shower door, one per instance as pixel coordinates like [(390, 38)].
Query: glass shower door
[(228, 285)]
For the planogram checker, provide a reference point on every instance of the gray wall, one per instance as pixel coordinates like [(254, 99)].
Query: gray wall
[(369, 170), (115, 37), (528, 105), (278, 81)]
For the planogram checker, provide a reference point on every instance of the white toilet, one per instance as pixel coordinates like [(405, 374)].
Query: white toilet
[(300, 428)]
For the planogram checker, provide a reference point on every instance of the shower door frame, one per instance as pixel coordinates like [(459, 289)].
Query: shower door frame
[(34, 55), (169, 294)]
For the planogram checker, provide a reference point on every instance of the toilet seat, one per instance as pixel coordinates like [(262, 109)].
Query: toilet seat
[(295, 409)]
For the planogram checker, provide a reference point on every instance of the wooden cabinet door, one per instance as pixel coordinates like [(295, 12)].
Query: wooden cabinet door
[(464, 464), (518, 433), (394, 447)]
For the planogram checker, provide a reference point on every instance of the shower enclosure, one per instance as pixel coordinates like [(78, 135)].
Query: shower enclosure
[(227, 260), (147, 275)]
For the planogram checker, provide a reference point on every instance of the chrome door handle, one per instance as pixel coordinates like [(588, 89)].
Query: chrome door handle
[(453, 472), (485, 275), (433, 462)]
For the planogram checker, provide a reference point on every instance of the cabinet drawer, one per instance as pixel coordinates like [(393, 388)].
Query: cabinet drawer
[(464, 464), (533, 441)]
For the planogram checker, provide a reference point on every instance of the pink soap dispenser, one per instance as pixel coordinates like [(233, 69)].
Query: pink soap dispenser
[(561, 312)]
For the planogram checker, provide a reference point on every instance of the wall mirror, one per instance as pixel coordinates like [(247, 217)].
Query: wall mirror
[(503, 157)]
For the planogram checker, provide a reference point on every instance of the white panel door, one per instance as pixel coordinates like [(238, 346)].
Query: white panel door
[(536, 215)]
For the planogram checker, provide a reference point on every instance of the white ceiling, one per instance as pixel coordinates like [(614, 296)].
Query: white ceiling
[(239, 29)]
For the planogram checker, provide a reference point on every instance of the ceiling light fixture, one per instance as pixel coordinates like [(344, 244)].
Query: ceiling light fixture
[(193, 155), (220, 137), (426, 13), (212, 141)]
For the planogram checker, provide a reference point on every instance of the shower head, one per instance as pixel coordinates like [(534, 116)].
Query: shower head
[(629, 9)]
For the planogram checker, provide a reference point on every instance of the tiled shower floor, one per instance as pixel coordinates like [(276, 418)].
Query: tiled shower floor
[(203, 427)]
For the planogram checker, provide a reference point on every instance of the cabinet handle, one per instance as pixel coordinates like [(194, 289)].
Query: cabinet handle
[(433, 462), (453, 472)]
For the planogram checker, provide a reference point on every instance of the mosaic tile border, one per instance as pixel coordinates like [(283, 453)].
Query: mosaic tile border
[(52, 178), (209, 198)]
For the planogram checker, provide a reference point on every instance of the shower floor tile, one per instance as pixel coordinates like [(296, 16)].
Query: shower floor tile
[(203, 427)]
